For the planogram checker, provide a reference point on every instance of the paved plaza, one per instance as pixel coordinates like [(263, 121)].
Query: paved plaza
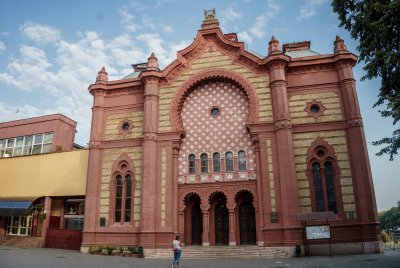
[(40, 257)]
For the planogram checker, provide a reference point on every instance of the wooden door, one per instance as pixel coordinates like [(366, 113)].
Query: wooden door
[(221, 225), (197, 224), (247, 224)]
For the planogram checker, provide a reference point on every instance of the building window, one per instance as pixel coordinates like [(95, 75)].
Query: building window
[(125, 127), (128, 198), (314, 108), (74, 214), (204, 163), (215, 112), (229, 161), (242, 160), (324, 187), (123, 198), (324, 178), (192, 164), (216, 162), (26, 145)]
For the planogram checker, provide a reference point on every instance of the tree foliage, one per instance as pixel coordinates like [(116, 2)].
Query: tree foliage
[(376, 25), (390, 219)]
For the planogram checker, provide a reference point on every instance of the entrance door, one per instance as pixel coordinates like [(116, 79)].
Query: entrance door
[(221, 225), (247, 224), (197, 225)]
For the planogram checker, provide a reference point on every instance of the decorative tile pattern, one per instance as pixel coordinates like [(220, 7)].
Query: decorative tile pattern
[(209, 134)]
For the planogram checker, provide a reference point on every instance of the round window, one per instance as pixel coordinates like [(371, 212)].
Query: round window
[(125, 126), (320, 153), (314, 108), (215, 111)]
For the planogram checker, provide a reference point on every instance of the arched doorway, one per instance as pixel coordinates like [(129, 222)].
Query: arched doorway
[(196, 219), (247, 224), (220, 219), (193, 220), (221, 225), (246, 218)]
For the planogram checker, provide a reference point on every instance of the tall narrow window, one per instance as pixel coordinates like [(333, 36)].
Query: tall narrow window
[(229, 161), (118, 199), (324, 178), (192, 164), (242, 160), (324, 187), (330, 187), (318, 189), (128, 198), (216, 162), (204, 163)]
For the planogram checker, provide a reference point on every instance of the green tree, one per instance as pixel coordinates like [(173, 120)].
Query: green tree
[(376, 25), (390, 219)]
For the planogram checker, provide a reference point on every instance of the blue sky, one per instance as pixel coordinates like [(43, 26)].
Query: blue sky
[(51, 50)]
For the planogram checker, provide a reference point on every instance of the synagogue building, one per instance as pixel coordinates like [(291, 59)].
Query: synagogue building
[(228, 148)]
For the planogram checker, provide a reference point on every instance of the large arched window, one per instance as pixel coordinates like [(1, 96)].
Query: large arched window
[(324, 178), (204, 163), (242, 160), (192, 164), (216, 162), (229, 161), (123, 198), (324, 187), (122, 185)]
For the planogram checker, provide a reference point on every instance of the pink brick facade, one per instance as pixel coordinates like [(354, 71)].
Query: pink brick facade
[(159, 143)]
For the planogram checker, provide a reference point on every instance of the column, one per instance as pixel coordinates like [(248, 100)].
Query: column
[(358, 154), (206, 225), (260, 189), (47, 213), (284, 142), (175, 192), (150, 200), (93, 182), (232, 229)]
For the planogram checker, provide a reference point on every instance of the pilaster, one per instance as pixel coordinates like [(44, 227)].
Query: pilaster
[(358, 154), (149, 204), (285, 154)]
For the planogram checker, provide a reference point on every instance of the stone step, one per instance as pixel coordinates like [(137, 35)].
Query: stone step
[(215, 252)]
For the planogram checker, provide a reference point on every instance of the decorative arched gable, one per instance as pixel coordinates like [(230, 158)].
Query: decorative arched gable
[(211, 74)]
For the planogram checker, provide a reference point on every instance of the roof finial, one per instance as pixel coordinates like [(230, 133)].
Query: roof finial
[(274, 46), (210, 19), (102, 76), (152, 63), (339, 45)]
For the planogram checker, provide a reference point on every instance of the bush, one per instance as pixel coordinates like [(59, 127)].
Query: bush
[(385, 237)]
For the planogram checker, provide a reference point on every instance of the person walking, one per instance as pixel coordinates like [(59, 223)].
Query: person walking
[(176, 247)]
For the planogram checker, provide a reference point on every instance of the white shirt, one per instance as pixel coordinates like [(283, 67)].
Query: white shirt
[(176, 244)]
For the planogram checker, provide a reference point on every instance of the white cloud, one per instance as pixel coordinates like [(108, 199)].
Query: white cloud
[(308, 10), (2, 47), (127, 20), (30, 71), (40, 34), (245, 37), (167, 29), (230, 14), (258, 29)]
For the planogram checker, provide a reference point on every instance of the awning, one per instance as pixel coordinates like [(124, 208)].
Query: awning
[(13, 208)]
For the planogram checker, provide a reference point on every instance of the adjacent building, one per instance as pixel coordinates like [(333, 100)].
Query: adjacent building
[(43, 182)]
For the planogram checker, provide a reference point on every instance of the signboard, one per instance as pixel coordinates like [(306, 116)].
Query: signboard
[(318, 232)]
